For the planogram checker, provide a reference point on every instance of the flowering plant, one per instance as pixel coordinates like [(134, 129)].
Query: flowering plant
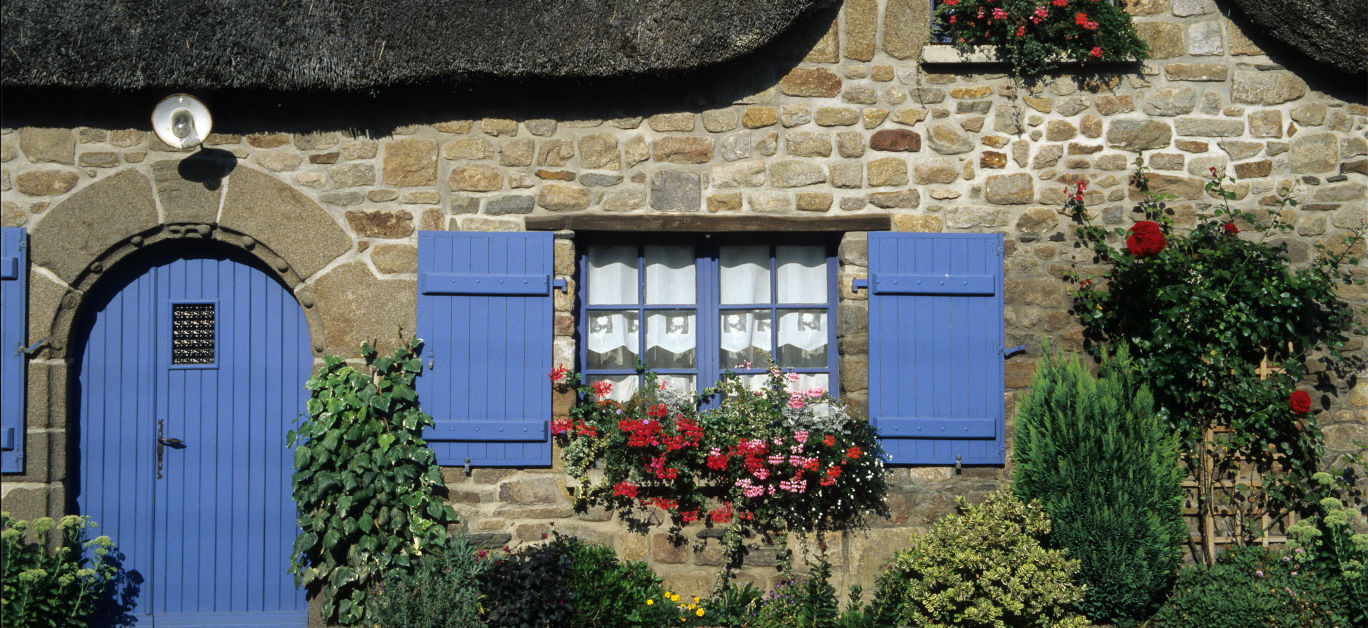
[(1200, 309), (1033, 35), (776, 459)]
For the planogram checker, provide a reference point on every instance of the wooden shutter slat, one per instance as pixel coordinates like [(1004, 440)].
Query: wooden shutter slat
[(485, 316), (935, 336)]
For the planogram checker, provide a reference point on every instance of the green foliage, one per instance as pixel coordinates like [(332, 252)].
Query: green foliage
[(442, 591), (1105, 468), (986, 566), (610, 592), (531, 587), (1251, 586), (732, 606), (365, 483), (566, 582), (54, 581), (772, 461), (1199, 315), (1333, 550), (806, 602), (1035, 36)]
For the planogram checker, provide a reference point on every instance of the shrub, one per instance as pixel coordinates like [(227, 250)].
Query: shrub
[(566, 582), (443, 591), (53, 582), (1251, 586), (610, 592), (986, 566), (529, 587), (807, 602), (365, 483), (1105, 468)]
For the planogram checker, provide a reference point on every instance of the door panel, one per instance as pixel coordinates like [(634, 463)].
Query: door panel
[(211, 537)]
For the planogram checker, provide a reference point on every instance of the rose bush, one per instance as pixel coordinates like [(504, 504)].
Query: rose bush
[(1199, 310)]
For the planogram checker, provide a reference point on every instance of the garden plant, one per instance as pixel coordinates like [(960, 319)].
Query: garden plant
[(1105, 467), (56, 577), (767, 461), (1035, 36), (1200, 310), (365, 483)]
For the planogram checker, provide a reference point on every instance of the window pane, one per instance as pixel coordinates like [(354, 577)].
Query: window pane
[(670, 275), (670, 339), (612, 275), (624, 386), (801, 274), (809, 381), (680, 383), (613, 340), (745, 337), (744, 274), (802, 338)]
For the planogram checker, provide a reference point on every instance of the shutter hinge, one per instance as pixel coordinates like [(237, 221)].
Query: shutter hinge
[(1013, 351), (857, 284), (29, 351), (560, 283)]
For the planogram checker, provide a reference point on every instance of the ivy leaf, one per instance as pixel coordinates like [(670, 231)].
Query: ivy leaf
[(385, 441)]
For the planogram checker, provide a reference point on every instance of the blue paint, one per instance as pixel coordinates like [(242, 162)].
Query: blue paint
[(935, 347), (13, 324), (212, 536), (484, 315)]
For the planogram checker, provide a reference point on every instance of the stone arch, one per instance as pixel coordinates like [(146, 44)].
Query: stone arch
[(253, 212)]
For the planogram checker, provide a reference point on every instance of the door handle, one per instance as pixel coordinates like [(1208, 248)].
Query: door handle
[(162, 444)]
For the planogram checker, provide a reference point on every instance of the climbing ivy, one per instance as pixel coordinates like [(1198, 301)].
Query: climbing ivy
[(365, 482)]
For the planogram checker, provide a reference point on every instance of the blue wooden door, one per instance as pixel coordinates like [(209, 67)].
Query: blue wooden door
[(193, 369)]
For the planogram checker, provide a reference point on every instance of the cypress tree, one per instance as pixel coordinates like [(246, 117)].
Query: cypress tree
[(1099, 456)]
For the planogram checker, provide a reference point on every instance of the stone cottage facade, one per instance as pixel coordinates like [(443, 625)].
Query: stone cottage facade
[(841, 121)]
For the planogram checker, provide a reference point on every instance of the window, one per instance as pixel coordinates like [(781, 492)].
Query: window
[(689, 311)]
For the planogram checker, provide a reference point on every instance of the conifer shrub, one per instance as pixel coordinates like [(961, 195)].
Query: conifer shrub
[(986, 566), (1104, 465)]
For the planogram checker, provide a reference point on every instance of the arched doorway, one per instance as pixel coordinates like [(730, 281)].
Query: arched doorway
[(192, 367)]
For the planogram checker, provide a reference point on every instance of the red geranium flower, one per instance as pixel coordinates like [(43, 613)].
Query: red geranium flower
[(603, 387), (624, 489), (558, 372), (1096, 52), (1300, 402), (1145, 239), (560, 426), (1230, 228)]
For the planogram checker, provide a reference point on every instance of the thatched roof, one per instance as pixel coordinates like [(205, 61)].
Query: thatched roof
[(1329, 31), (333, 45)]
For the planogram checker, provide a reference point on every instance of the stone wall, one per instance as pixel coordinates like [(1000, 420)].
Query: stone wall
[(839, 128)]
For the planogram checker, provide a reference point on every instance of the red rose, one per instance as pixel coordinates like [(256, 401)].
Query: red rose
[(1300, 402), (1230, 228), (1145, 239)]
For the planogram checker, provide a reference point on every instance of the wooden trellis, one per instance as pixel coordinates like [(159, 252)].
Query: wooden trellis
[(1234, 517)]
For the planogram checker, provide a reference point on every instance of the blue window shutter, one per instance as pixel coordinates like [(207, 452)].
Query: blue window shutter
[(13, 324), (935, 347), (485, 317)]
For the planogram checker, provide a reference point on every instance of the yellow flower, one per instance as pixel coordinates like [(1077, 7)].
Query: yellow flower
[(650, 602), (699, 612)]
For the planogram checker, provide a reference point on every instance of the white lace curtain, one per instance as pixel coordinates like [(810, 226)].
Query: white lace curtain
[(670, 278)]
